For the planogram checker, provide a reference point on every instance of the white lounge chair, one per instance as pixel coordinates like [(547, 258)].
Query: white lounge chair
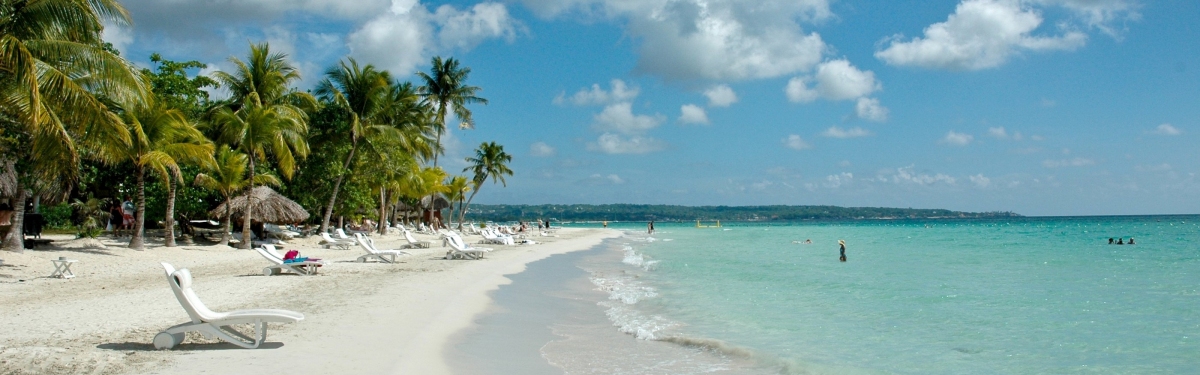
[(307, 268), (386, 256), (214, 324), (491, 236), (413, 243), (328, 242), (460, 250)]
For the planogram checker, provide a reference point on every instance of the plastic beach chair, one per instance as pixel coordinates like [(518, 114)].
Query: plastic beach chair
[(215, 324), (386, 256), (307, 268)]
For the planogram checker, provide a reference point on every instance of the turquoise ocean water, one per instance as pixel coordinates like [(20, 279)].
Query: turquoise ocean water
[(1011, 296)]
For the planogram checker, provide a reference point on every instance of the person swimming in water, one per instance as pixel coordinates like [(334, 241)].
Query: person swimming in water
[(1131, 240), (1110, 240), (842, 245), (1120, 241)]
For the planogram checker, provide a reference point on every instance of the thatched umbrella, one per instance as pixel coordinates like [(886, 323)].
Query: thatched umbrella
[(439, 202), (268, 207)]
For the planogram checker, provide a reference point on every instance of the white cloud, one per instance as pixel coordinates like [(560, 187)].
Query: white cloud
[(907, 175), (1166, 129), (618, 92), (869, 109), (796, 143), (980, 180), (1099, 13), (980, 34), (711, 39), (957, 139), (836, 132), (798, 92), (998, 132), (1076, 162), (692, 114), (834, 80), (119, 36), (407, 34), (837, 180), (620, 118), (541, 149), (720, 96), (616, 144)]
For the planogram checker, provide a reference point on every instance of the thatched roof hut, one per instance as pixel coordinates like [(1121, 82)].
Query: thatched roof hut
[(439, 202), (267, 206), (8, 179)]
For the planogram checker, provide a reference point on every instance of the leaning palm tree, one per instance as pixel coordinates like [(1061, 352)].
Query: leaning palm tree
[(162, 138), (363, 92), (228, 177), (265, 114), (52, 66), (490, 161), (456, 190), (445, 89)]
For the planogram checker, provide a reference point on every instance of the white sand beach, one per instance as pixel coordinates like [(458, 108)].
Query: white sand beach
[(359, 317)]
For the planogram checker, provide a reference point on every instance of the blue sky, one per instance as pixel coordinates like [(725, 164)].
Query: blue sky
[(1042, 107)]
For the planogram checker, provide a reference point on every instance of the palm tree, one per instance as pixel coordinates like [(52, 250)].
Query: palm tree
[(445, 88), (490, 161), (52, 66), (363, 92), (265, 115), (227, 177), (162, 138), (457, 189)]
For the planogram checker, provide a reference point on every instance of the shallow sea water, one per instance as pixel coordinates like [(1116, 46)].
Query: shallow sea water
[(1012, 296)]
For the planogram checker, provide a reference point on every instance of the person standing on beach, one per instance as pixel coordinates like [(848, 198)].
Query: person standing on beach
[(842, 244)]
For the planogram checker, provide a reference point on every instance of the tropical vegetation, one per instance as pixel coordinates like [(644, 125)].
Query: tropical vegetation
[(80, 123)]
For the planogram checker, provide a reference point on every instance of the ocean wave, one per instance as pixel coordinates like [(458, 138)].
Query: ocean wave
[(626, 290), (639, 260), (631, 321)]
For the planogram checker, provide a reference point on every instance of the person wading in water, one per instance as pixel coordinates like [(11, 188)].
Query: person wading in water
[(842, 244)]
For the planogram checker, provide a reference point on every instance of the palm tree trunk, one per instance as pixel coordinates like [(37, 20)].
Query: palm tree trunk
[(226, 223), (246, 235), (170, 218), (383, 211), (460, 213), (138, 242), (16, 234), (463, 211), (336, 186)]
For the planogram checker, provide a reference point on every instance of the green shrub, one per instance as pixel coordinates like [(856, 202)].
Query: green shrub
[(57, 216)]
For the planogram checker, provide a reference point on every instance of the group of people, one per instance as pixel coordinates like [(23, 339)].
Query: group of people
[(841, 247), (121, 216), (1120, 241)]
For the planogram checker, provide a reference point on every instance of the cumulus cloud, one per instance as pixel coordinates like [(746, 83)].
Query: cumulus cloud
[(837, 180), (980, 180), (711, 39), (1062, 163), (407, 34), (541, 149), (618, 92), (1001, 133), (837, 132), (796, 143), (599, 179), (980, 34), (957, 139), (907, 175), (620, 118), (720, 96), (1166, 129), (616, 144), (869, 109), (692, 114), (1099, 14), (833, 80)]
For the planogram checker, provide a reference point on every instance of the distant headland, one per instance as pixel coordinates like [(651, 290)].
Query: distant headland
[(668, 213)]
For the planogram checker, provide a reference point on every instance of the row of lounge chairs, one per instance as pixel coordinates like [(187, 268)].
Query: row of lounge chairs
[(220, 325)]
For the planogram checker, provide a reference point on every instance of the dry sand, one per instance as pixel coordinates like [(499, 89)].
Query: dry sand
[(360, 318)]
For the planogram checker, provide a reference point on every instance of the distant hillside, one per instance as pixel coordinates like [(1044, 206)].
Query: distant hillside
[(642, 212)]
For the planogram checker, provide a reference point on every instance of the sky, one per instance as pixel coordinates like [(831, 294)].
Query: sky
[(1039, 107)]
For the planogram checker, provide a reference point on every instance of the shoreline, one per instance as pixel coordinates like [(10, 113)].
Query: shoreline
[(359, 318)]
